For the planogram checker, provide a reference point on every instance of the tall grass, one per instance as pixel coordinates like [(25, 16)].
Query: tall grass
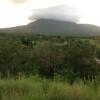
[(35, 88)]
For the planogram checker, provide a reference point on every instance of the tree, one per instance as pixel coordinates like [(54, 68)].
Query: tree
[(80, 60), (11, 52)]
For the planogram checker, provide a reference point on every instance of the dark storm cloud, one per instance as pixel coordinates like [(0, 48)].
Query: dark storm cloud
[(61, 12)]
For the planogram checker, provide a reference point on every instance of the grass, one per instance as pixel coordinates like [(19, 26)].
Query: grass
[(35, 88)]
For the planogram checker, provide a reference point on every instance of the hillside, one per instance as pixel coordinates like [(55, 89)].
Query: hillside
[(54, 27)]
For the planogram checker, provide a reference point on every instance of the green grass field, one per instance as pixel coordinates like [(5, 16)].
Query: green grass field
[(38, 89)]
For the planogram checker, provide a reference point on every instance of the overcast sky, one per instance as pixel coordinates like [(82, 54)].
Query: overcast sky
[(22, 12)]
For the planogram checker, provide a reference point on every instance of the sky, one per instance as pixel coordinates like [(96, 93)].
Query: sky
[(21, 12)]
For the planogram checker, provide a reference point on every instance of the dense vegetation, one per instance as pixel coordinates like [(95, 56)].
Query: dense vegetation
[(40, 67), (71, 58), (34, 88)]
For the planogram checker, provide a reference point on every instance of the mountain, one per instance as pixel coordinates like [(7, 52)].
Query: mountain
[(55, 27)]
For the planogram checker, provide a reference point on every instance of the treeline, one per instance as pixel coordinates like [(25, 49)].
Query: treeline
[(70, 58)]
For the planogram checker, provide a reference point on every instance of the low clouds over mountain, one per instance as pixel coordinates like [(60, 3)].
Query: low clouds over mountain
[(59, 12)]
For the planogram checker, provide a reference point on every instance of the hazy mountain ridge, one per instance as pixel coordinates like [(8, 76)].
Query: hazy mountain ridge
[(49, 26)]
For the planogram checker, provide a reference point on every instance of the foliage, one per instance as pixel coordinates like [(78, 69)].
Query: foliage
[(72, 58), (34, 88)]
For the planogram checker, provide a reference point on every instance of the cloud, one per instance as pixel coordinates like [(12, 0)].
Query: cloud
[(60, 12), (19, 1), (21, 12)]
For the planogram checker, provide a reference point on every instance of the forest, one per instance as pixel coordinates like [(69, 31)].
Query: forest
[(70, 62)]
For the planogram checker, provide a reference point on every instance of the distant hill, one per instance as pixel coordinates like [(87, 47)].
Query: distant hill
[(55, 27)]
